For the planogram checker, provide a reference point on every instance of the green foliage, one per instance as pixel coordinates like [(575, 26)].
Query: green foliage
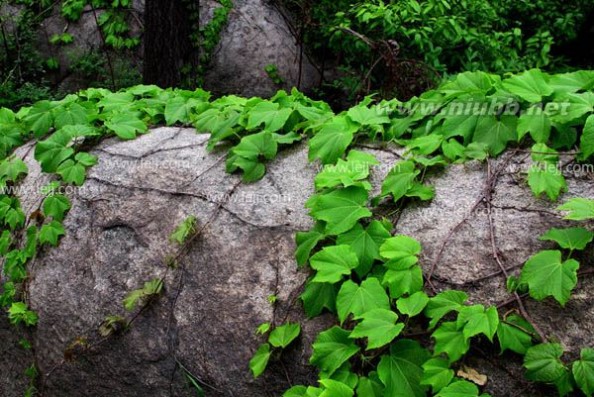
[(149, 290), (184, 230), (19, 313)]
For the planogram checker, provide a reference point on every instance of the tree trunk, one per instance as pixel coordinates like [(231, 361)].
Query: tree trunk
[(168, 50)]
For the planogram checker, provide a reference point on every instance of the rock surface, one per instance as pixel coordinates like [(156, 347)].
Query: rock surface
[(256, 35), (117, 238)]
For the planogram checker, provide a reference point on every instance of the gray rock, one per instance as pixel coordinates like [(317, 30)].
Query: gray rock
[(117, 238), (256, 35)]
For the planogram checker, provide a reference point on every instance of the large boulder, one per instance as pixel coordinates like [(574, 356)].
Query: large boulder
[(117, 238), (257, 34)]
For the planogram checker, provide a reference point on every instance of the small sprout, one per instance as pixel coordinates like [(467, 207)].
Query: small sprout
[(184, 230), (112, 325), (272, 299), (263, 328), (150, 289)]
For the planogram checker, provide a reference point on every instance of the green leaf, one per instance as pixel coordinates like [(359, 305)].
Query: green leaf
[(459, 388), (542, 153), (184, 230), (332, 349), (318, 296), (257, 145), (495, 134), (413, 305), (403, 279), (332, 141), (50, 233), (476, 320), (400, 180), (179, 109), (530, 85), (71, 115), (283, 335), (149, 289), (451, 341), (512, 336), (546, 179), (537, 123), (574, 238), (587, 139), (53, 151), (580, 209), (579, 106), (357, 300), (341, 209), (11, 169), (401, 370), (334, 388), (401, 249), (543, 363), (269, 114), (583, 371), (346, 173), (572, 82), (260, 359), (368, 116), (56, 206), (306, 242), (437, 374), (332, 263), (126, 125), (85, 159), (365, 243), (72, 172), (379, 327), (40, 118), (546, 275), (19, 313), (370, 387)]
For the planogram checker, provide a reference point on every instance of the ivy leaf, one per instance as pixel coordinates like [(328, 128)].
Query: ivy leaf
[(451, 341), (50, 233), (257, 145), (285, 334), (437, 374), (459, 388), (579, 106), (572, 82), (546, 179), (345, 375), (73, 114), (179, 109), (368, 116), (358, 300), (332, 263), (346, 173), (40, 118), (537, 123), (370, 386), (126, 125), (12, 169), (543, 363), (476, 320), (332, 141), (587, 139), (72, 172), (53, 151), (56, 206), (401, 249), (184, 230), (306, 242), (413, 305), (495, 134), (269, 114), (340, 209), (574, 238), (400, 180), (546, 275), (253, 169), (401, 371), (333, 388), (544, 154), (19, 313), (85, 159), (365, 243), (149, 289), (403, 279), (511, 335), (332, 349), (379, 327), (260, 359), (318, 296), (583, 371), (580, 209), (530, 85)]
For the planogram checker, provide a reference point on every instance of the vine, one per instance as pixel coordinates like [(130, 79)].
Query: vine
[(371, 280)]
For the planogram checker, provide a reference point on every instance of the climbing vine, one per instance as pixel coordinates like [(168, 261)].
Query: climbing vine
[(370, 279)]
